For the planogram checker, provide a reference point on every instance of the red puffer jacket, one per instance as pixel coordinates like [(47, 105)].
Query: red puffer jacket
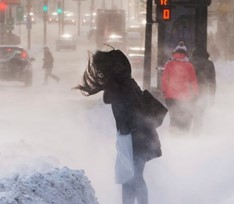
[(179, 79)]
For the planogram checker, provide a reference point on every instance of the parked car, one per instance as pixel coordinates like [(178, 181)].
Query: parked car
[(53, 17), (15, 64), (69, 18), (87, 18), (66, 41), (32, 18)]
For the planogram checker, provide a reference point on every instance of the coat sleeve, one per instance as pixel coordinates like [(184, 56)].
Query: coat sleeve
[(212, 79)]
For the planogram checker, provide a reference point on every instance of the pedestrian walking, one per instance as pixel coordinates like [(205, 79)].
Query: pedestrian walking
[(48, 65), (206, 76), (111, 72), (179, 86)]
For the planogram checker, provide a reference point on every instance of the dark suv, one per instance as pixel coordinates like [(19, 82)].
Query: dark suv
[(15, 64)]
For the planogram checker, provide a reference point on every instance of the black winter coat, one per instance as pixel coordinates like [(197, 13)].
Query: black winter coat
[(48, 60), (206, 76), (126, 103)]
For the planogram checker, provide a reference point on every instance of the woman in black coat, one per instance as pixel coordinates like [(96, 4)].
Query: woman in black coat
[(111, 72)]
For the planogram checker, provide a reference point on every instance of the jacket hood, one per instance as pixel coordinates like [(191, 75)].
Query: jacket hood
[(180, 56)]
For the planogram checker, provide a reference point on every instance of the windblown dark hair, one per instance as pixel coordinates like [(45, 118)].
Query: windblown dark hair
[(103, 69), (91, 81)]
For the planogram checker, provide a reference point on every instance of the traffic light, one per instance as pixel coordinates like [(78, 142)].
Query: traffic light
[(3, 6), (45, 6), (59, 8)]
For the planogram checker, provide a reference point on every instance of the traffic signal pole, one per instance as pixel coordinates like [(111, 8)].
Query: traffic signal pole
[(44, 31), (45, 11), (29, 23), (3, 7), (59, 12), (148, 46), (78, 16), (63, 8)]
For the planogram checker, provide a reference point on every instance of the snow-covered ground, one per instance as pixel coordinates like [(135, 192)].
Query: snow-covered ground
[(48, 127)]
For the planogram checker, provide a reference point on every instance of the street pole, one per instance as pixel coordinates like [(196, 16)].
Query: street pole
[(29, 22), (59, 24), (103, 4), (91, 13), (129, 11), (10, 18), (45, 29), (78, 18), (63, 6), (2, 23), (148, 45)]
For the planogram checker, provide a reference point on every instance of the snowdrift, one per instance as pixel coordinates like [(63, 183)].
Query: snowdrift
[(58, 186)]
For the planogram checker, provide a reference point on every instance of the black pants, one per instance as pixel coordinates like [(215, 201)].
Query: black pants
[(136, 188), (180, 113), (48, 73)]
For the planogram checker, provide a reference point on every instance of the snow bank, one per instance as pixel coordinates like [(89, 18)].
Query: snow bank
[(58, 186)]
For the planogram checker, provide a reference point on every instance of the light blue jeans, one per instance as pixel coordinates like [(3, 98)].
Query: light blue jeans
[(136, 187)]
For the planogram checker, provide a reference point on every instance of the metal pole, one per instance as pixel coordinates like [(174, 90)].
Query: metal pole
[(29, 23), (59, 24), (63, 6), (10, 18), (45, 30), (148, 45), (19, 31), (2, 20), (129, 11), (78, 22), (103, 4), (29, 39), (161, 54), (91, 13), (59, 6)]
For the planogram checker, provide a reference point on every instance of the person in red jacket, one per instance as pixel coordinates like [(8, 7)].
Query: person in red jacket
[(180, 88)]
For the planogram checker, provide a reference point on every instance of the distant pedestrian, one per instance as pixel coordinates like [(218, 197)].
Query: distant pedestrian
[(48, 65), (206, 76), (179, 86)]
